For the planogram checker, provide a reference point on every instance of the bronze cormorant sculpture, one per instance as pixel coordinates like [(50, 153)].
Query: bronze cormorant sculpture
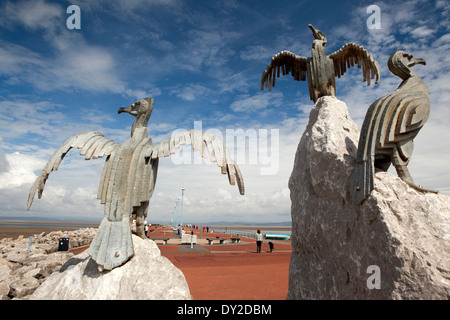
[(391, 123), (321, 69), (129, 176)]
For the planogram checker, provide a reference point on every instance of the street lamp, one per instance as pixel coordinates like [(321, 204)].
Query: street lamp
[(177, 218), (182, 193)]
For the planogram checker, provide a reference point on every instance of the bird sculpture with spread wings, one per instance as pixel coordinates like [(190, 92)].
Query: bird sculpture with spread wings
[(390, 126), (321, 69), (129, 176)]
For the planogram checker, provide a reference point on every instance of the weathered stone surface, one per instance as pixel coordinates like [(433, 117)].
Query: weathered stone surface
[(403, 232), (148, 275), (5, 272), (17, 263), (23, 287), (4, 290)]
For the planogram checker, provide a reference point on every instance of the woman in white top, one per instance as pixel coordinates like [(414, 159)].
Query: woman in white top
[(259, 239)]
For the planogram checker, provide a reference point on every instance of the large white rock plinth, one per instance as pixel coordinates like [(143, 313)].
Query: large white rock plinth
[(147, 276)]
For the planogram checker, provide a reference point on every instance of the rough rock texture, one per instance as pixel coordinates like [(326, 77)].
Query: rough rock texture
[(147, 275), (22, 271), (403, 232)]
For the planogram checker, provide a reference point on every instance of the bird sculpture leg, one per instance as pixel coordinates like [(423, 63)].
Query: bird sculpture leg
[(403, 173), (141, 214), (400, 167)]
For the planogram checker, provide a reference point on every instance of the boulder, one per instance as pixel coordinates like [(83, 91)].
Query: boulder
[(20, 261), (4, 291), (147, 276), (392, 246), (23, 287)]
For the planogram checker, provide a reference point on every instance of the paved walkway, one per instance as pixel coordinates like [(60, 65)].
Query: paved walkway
[(232, 271)]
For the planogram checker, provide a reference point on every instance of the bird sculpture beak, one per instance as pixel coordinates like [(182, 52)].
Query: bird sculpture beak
[(129, 110), (415, 61), (314, 31)]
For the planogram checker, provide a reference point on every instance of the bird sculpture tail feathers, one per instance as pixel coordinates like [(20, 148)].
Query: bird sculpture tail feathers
[(362, 180), (113, 245)]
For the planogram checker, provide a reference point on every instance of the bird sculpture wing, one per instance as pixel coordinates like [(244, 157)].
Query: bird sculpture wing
[(284, 61), (354, 54), (200, 141), (93, 145)]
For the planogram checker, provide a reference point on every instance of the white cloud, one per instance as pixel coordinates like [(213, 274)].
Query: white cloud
[(14, 59), (206, 49), (229, 82), (20, 117), (4, 165), (33, 14), (257, 52), (209, 197), (191, 92), (71, 189), (73, 63), (61, 192), (78, 67), (422, 31), (257, 102), (19, 170), (127, 8)]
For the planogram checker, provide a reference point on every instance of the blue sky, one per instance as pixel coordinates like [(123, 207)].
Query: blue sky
[(201, 61)]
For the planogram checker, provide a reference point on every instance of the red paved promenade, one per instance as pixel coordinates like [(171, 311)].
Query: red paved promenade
[(231, 271), (228, 271)]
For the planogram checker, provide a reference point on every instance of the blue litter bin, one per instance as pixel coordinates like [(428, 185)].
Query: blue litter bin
[(63, 244)]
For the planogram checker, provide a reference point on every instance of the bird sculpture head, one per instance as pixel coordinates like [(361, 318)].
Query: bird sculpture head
[(142, 110), (318, 35), (400, 62)]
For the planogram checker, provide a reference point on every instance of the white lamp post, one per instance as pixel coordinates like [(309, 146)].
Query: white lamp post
[(182, 193)]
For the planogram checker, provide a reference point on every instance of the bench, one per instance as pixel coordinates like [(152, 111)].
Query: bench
[(235, 239), (210, 240), (164, 240)]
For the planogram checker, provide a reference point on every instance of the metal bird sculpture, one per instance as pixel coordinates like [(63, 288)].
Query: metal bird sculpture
[(129, 176), (321, 69), (388, 131)]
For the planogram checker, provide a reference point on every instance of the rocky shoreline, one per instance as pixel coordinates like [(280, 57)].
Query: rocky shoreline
[(23, 267)]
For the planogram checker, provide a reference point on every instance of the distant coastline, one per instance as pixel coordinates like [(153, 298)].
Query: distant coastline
[(53, 219), (40, 223), (13, 227)]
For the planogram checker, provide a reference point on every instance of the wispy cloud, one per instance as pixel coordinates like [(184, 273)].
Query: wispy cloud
[(72, 65), (32, 14), (191, 92), (206, 49), (257, 102)]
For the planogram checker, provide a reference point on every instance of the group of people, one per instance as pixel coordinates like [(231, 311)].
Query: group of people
[(258, 235), (196, 227)]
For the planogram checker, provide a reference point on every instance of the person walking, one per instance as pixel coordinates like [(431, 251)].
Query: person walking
[(259, 239), (146, 229)]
